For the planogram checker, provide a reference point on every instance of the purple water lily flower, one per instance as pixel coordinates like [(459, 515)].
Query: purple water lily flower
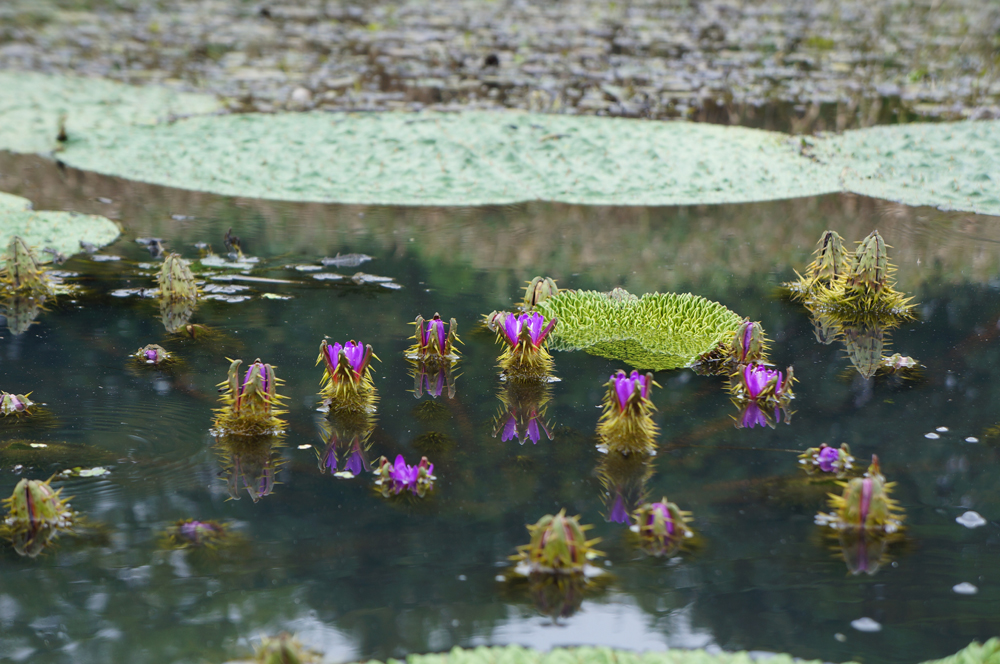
[(753, 416), (756, 378), (16, 402), (353, 351), (534, 323), (619, 514), (150, 355), (827, 457), (625, 386)]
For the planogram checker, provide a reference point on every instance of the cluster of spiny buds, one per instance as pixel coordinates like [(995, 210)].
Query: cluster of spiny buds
[(347, 384), (626, 425), (15, 404), (762, 394), (525, 357), (394, 478), (825, 460), (35, 516), (662, 527), (152, 354), (22, 273), (522, 416), (251, 402), (856, 286), (558, 546), (864, 505)]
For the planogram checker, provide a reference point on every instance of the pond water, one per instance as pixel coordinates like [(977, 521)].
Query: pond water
[(361, 577)]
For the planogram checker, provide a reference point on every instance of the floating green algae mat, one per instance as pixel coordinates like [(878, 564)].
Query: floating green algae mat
[(174, 139), (32, 104), (657, 332), (62, 231), (588, 655)]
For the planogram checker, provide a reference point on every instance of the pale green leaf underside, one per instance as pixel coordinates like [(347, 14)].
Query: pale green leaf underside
[(656, 332)]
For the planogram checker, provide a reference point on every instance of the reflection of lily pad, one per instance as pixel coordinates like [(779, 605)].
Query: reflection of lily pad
[(36, 454), (658, 331)]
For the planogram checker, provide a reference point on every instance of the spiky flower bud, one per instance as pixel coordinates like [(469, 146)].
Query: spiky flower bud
[(22, 272), (869, 270), (865, 505), (558, 545), (191, 533), (748, 343), (662, 527), (176, 282), (36, 515), (539, 289), (251, 401), (347, 382), (434, 340), (525, 335)]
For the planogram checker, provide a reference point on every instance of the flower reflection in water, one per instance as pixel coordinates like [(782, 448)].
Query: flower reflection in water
[(522, 412), (346, 441), (623, 479), (252, 460)]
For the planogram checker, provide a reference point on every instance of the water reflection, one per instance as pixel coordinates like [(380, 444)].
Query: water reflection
[(522, 414), (346, 440), (623, 478), (253, 459)]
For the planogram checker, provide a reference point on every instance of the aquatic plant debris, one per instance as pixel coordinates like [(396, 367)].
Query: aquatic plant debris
[(483, 157), (60, 231), (656, 332)]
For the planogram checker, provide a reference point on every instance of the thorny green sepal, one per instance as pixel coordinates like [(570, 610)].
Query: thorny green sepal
[(558, 546)]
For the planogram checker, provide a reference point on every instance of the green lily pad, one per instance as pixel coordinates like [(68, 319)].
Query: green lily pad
[(10, 202), (473, 158), (32, 105), (588, 655), (657, 332), (62, 231), (951, 166)]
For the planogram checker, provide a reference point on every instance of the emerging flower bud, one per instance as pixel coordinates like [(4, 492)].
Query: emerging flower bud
[(15, 404), (152, 354), (176, 282), (23, 273), (558, 546), (539, 289), (347, 383), (190, 533), (870, 269), (865, 505), (434, 340), (830, 460), (662, 527), (749, 343), (251, 401), (36, 515)]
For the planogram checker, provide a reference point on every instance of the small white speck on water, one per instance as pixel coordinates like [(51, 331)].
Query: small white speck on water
[(972, 439), (866, 625), (931, 435), (941, 429), (965, 588), (840, 637), (971, 520)]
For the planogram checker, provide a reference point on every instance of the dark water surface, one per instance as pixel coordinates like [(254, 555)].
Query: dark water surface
[(358, 577)]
